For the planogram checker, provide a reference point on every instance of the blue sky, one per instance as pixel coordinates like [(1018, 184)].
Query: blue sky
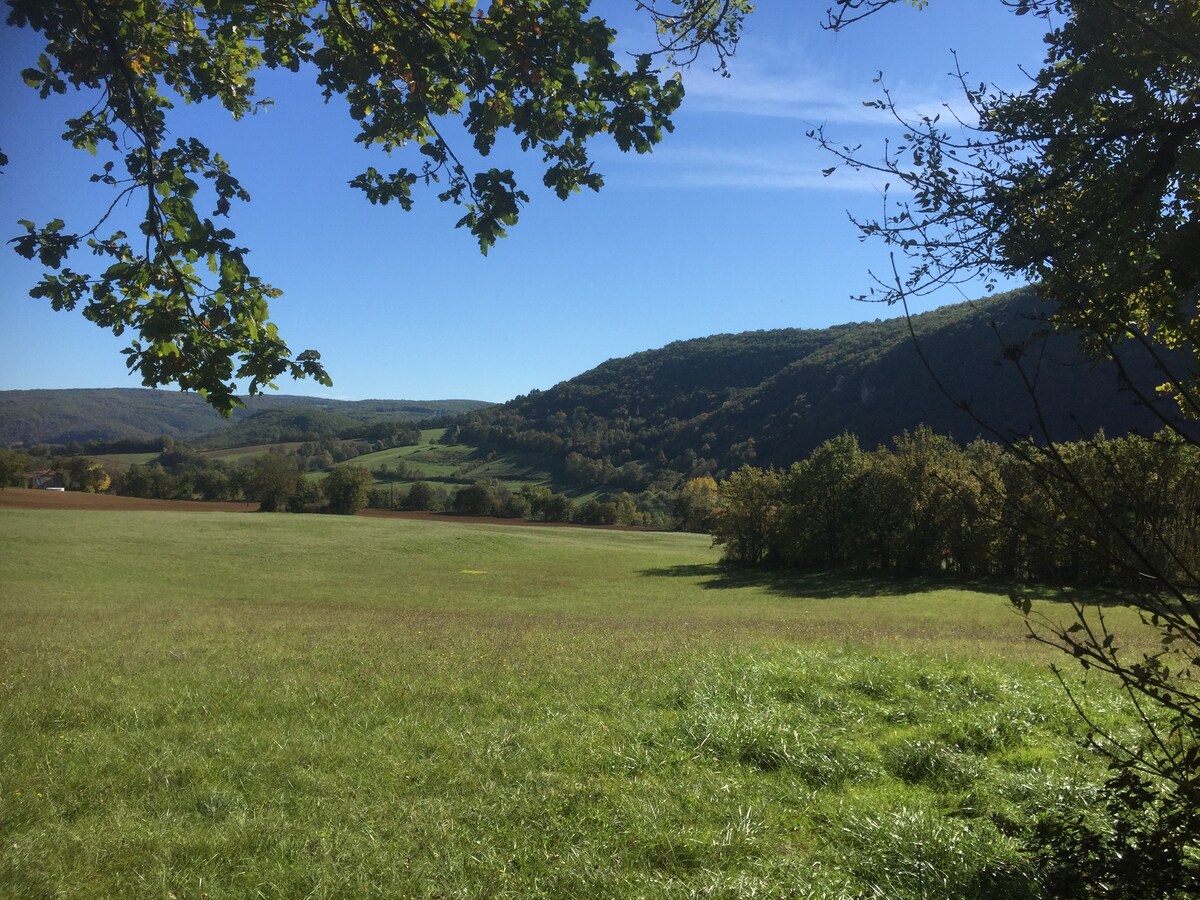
[(729, 226)]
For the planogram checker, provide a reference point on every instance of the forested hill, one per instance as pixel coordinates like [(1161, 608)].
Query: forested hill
[(113, 414), (769, 397)]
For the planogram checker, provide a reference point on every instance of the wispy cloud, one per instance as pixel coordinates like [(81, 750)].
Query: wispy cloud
[(790, 92), (747, 131), (753, 167)]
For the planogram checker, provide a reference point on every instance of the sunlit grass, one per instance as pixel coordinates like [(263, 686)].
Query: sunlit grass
[(283, 706)]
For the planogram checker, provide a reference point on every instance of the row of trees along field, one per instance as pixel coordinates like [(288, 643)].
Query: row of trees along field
[(686, 507), (274, 480), (491, 498), (924, 506)]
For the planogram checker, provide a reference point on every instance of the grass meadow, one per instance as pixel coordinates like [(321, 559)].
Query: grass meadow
[(214, 705), (434, 461)]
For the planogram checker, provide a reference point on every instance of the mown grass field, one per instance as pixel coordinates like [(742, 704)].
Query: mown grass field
[(216, 705), (232, 455), (127, 459), (236, 455)]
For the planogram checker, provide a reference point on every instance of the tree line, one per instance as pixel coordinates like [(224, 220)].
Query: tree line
[(685, 507), (925, 506), (274, 480)]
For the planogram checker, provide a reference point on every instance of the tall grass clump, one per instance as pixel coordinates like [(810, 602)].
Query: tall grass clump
[(914, 850), (926, 775)]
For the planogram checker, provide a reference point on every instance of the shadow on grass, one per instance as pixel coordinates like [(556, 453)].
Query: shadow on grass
[(815, 585), (837, 585), (1105, 596)]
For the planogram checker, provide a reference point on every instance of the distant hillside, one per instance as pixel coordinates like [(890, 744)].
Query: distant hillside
[(111, 414), (769, 397)]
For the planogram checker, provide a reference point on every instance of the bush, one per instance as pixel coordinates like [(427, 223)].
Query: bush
[(423, 496), (1140, 843), (348, 489), (596, 513), (478, 499), (513, 506)]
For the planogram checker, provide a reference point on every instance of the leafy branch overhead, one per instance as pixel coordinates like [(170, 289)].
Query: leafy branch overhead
[(413, 76)]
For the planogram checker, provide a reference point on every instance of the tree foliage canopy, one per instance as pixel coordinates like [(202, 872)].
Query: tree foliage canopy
[(543, 70)]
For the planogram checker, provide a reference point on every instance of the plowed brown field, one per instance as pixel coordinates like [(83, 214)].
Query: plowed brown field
[(22, 498)]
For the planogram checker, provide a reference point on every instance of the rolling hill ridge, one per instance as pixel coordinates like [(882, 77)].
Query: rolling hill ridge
[(701, 406), (769, 397), (114, 414)]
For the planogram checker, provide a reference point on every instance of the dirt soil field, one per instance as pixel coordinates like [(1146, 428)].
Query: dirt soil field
[(22, 498)]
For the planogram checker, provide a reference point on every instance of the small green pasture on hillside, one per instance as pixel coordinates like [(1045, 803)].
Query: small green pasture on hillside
[(228, 454), (128, 459), (427, 460), (249, 452), (219, 705), (431, 460)]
